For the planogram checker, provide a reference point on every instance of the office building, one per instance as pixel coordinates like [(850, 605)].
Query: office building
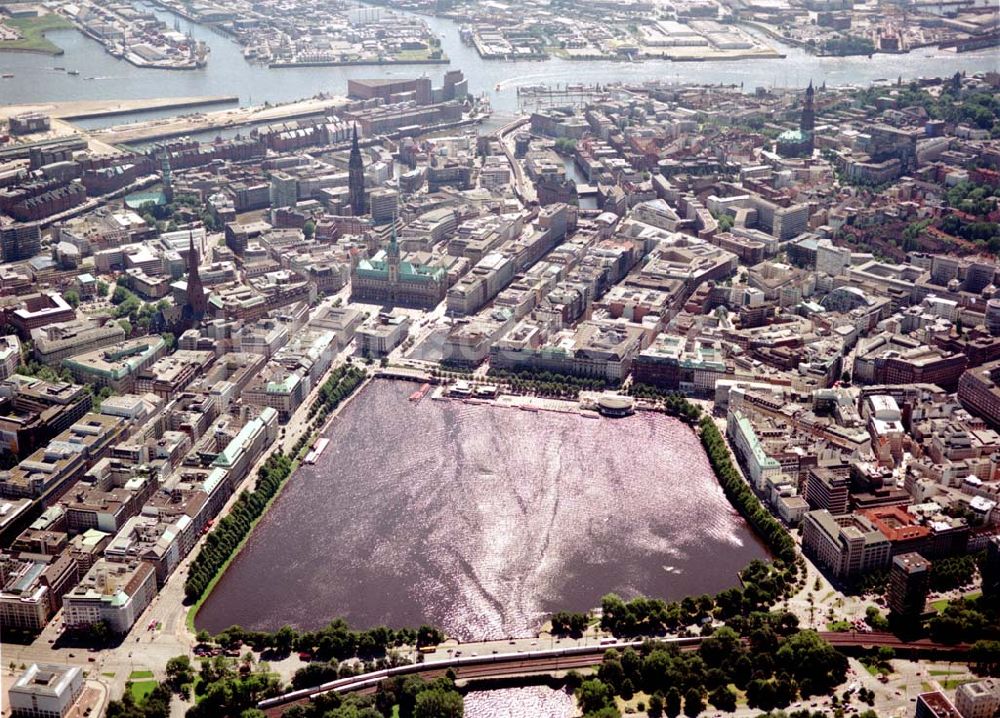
[(991, 568), (20, 241), (980, 699), (828, 489), (978, 391), (909, 583), (935, 704), (46, 690), (284, 190), (114, 592), (847, 545)]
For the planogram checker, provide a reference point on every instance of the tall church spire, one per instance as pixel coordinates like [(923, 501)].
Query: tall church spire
[(807, 122), (356, 176), (196, 305)]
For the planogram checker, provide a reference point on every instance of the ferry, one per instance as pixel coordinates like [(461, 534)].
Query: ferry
[(316, 451), (7, 75), (72, 72), (420, 393)]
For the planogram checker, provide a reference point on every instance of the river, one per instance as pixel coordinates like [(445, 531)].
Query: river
[(227, 73), (482, 520)]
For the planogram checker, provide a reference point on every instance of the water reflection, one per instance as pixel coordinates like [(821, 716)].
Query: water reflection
[(482, 520), (529, 702)]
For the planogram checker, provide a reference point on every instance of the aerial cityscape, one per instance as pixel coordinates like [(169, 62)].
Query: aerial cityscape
[(479, 359)]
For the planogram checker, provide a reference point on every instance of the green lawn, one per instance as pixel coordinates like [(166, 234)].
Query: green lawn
[(140, 675), (33, 30), (951, 684), (109, 674), (839, 626), (940, 604), (141, 689)]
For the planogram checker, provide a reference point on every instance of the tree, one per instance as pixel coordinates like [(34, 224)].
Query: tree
[(309, 229), (672, 702), (594, 695), (605, 712), (72, 298), (693, 702), (439, 703), (428, 636), (761, 694), (814, 663), (102, 289), (723, 698), (283, 639), (179, 672), (611, 673), (120, 295), (126, 325), (568, 623)]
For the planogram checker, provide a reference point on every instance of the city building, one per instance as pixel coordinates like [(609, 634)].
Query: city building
[(935, 704), (45, 690), (114, 592), (979, 699), (116, 366), (10, 356), (828, 488), (759, 466), (389, 280), (20, 241), (978, 391), (848, 546), (378, 339), (909, 584)]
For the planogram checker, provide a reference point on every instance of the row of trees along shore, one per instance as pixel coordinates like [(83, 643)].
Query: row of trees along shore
[(225, 538), (738, 491)]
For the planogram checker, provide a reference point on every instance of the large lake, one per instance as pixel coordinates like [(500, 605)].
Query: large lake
[(482, 520)]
